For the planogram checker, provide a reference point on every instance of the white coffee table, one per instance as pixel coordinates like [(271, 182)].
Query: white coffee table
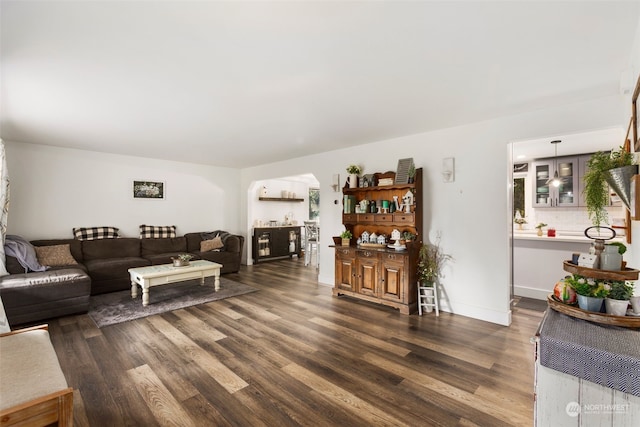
[(156, 275)]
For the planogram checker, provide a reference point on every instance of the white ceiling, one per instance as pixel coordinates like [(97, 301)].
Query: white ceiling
[(239, 84), (571, 144)]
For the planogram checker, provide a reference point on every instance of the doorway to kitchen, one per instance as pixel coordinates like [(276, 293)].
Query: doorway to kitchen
[(537, 261), (280, 205)]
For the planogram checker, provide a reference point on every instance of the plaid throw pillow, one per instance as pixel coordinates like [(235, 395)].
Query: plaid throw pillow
[(157, 231), (93, 233)]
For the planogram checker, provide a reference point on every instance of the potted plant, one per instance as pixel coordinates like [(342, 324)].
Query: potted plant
[(596, 177), (539, 227), (408, 236), (411, 173), (591, 293), (617, 301), (622, 248), (181, 260), (353, 171), (520, 220), (346, 237)]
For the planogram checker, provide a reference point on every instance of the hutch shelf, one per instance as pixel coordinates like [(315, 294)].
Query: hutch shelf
[(279, 199), (381, 275)]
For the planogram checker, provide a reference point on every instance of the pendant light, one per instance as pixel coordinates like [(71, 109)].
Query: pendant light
[(555, 181)]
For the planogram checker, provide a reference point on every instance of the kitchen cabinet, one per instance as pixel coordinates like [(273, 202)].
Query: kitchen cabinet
[(346, 269), (276, 242), (393, 270), (567, 193), (381, 275), (367, 268), (571, 171)]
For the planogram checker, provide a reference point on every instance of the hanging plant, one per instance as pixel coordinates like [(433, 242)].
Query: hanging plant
[(596, 189)]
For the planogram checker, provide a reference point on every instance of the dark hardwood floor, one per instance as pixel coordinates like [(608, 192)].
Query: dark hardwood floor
[(291, 354)]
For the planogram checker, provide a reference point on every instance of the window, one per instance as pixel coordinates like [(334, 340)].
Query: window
[(314, 204), (518, 196)]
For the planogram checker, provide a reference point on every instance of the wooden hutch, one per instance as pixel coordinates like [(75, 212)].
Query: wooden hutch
[(382, 275)]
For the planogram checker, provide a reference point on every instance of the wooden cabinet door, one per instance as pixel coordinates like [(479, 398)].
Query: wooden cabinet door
[(346, 269), (394, 277), (367, 265)]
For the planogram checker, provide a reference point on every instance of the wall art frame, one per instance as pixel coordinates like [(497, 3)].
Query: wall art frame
[(149, 190)]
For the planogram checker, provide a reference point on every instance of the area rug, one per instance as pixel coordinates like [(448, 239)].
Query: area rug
[(117, 307)]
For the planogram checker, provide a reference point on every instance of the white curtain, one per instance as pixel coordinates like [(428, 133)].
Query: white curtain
[(4, 206)]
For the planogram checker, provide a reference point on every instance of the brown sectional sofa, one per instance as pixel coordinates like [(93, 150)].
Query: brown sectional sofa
[(102, 267)]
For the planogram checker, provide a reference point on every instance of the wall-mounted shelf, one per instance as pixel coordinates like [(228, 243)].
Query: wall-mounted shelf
[(279, 199)]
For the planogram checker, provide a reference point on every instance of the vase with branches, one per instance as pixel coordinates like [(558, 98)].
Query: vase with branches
[(431, 259)]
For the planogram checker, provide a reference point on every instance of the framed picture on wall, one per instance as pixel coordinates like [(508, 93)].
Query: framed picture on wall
[(148, 190)]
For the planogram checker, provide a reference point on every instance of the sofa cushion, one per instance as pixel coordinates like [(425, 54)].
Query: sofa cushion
[(75, 246), (92, 233), (14, 266), (113, 268), (55, 256), (231, 242), (162, 246), (211, 245), (110, 248), (157, 231), (38, 296), (230, 261)]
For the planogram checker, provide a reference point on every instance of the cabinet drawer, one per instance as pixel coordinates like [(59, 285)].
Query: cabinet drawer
[(404, 218), (398, 258), (367, 254), (349, 218), (384, 218), (346, 252), (366, 217)]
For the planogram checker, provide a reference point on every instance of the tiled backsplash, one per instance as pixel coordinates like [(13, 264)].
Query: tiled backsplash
[(571, 219)]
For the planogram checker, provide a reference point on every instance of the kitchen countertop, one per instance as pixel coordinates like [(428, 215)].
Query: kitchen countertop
[(561, 236)]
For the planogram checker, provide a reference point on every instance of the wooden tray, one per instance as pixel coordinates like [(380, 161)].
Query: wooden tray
[(373, 245), (626, 274), (602, 318)]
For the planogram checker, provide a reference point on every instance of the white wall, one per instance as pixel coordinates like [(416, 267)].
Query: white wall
[(276, 211), (471, 213), (55, 189)]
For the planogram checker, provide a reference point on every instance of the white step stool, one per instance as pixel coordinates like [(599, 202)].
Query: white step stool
[(428, 298)]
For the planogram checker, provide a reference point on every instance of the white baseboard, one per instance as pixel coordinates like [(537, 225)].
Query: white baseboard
[(326, 281), (500, 318), (535, 293), (479, 313)]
